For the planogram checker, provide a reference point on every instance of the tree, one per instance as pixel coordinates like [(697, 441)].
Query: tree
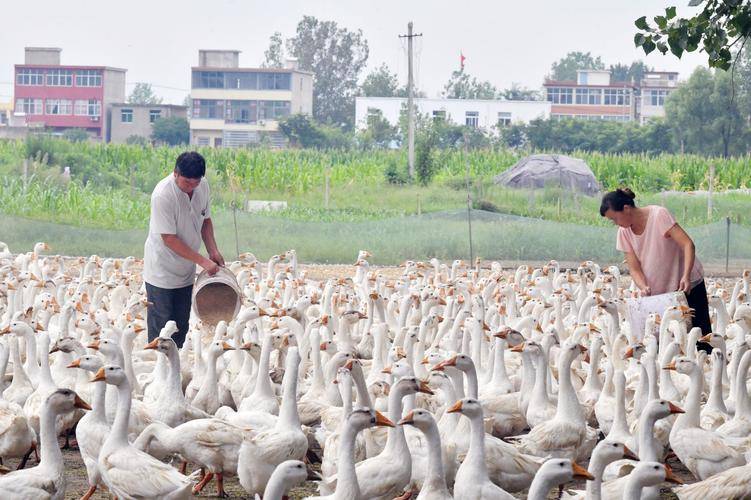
[(463, 86), (172, 130), (716, 29), (304, 132), (629, 72), (274, 55), (380, 133), (335, 56), (380, 82), (143, 94), (519, 93), (565, 68)]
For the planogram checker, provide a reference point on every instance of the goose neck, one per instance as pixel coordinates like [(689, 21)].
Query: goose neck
[(288, 415), (50, 452), (346, 473), (119, 433)]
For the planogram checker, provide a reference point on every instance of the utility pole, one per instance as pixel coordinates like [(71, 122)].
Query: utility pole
[(410, 98)]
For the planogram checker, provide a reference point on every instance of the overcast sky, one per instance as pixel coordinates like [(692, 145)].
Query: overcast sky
[(504, 41)]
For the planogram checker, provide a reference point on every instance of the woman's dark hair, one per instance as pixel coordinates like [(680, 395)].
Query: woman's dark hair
[(616, 200), (191, 165)]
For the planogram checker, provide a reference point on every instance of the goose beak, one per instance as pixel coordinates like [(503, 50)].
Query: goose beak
[(455, 408), (517, 348), (502, 334), (39, 328), (424, 388), (75, 364), (382, 421), (449, 362), (580, 471), (438, 367), (669, 366), (425, 361), (408, 420), (99, 376), (706, 338), (5, 330), (227, 347), (629, 353), (386, 370), (629, 454), (152, 344), (80, 403), (670, 477), (94, 345), (675, 409), (138, 329), (485, 327), (323, 346)]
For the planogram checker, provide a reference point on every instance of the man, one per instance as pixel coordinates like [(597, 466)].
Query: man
[(180, 220)]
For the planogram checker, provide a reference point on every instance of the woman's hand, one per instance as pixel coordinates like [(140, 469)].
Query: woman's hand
[(645, 291), (684, 285)]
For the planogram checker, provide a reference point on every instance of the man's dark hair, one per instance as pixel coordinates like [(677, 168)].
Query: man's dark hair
[(616, 200), (191, 164)]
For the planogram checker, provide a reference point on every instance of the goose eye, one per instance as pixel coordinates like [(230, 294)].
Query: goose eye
[(656, 468), (615, 445)]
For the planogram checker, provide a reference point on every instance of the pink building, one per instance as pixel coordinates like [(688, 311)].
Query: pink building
[(62, 97)]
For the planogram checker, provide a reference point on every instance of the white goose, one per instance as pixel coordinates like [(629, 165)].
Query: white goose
[(127, 471), (46, 480), (434, 486)]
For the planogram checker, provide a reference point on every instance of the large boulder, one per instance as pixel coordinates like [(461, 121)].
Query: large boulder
[(538, 171)]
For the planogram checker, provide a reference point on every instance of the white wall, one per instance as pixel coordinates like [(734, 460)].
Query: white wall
[(521, 111)]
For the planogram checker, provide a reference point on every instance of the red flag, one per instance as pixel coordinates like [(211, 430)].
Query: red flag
[(461, 60)]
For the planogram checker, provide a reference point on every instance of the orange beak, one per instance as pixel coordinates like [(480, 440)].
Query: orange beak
[(75, 364), (94, 345), (382, 421), (386, 370), (675, 409), (517, 348), (669, 476), (629, 454), (152, 344), (669, 366), (424, 388), (455, 408), (580, 471), (80, 403), (227, 347), (99, 376), (408, 419)]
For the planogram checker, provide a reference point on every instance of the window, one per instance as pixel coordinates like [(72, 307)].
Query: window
[(202, 141), (582, 77), (616, 97), (59, 107), (588, 96), (59, 78), (90, 107), (439, 115), (126, 115), (88, 78), (29, 106), (657, 97), (471, 118), (375, 115), (271, 110), (558, 95), (208, 108), (248, 81), (27, 76), (154, 115), (208, 80), (274, 81), (241, 111), (504, 118)]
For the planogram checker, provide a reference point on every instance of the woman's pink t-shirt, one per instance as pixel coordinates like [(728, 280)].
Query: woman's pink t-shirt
[(660, 256)]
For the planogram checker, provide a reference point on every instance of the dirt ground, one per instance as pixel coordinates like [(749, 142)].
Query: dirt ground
[(77, 481)]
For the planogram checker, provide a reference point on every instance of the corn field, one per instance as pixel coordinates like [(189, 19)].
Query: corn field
[(108, 185)]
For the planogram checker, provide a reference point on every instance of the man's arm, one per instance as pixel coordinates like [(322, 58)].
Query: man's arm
[(689, 255), (207, 233), (634, 268), (178, 246)]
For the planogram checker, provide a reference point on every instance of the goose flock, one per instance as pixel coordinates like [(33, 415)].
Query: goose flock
[(445, 380)]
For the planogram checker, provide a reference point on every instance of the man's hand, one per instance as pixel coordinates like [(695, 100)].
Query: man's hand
[(684, 285), (217, 257), (646, 291), (210, 266)]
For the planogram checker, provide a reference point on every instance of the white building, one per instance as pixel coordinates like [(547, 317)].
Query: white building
[(481, 113)]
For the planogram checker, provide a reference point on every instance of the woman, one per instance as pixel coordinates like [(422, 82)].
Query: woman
[(661, 257)]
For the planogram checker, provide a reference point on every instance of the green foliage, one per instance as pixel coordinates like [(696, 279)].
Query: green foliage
[(395, 175), (565, 68), (425, 143), (633, 72), (706, 117), (380, 133), (75, 135), (136, 140), (274, 55), (519, 93), (335, 56), (173, 130), (715, 29), (304, 132), (381, 82), (463, 86), (143, 94)]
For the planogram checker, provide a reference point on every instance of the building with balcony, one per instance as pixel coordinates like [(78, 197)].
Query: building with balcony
[(58, 97), (655, 87), (487, 114), (593, 96), (137, 120), (233, 106)]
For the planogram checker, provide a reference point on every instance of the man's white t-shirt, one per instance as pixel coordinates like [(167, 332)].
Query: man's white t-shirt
[(174, 212)]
